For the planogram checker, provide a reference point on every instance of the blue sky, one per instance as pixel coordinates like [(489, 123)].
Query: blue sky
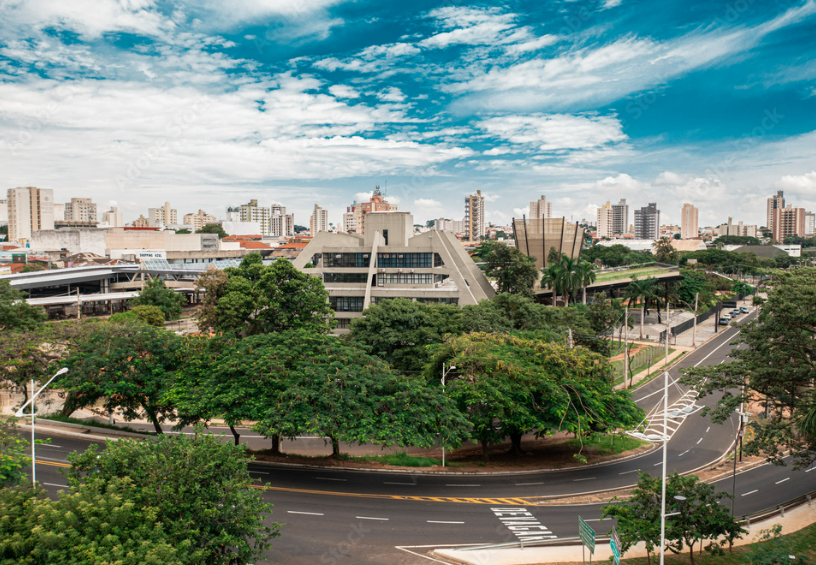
[(208, 104)]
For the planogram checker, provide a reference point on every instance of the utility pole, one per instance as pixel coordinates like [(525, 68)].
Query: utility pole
[(694, 331), (79, 306), (668, 329), (626, 347)]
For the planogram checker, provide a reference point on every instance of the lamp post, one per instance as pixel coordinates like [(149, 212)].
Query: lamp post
[(20, 414), (445, 374)]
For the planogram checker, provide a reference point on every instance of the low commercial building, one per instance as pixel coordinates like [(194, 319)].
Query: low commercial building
[(388, 261)]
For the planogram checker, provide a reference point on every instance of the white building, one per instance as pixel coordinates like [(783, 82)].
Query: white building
[(59, 212), (199, 219), (242, 228), (281, 224), (620, 217), (737, 229), (689, 228), (3, 212), (80, 210), (251, 212), (160, 217), (349, 224), (541, 208), (30, 209), (810, 224), (319, 220), (474, 217), (388, 261), (113, 218), (605, 225)]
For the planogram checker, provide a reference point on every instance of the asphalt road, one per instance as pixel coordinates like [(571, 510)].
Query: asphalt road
[(341, 516)]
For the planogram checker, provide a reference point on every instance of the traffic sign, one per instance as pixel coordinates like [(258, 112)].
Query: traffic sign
[(586, 534), (615, 543)]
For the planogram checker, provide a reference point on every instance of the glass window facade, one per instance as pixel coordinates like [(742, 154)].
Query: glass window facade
[(407, 278), (346, 303), (359, 278), (438, 300), (360, 260), (408, 260)]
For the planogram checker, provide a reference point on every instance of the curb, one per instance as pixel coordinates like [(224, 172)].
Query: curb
[(92, 428)]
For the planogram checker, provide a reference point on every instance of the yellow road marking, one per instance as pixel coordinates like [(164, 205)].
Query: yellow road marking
[(442, 499)]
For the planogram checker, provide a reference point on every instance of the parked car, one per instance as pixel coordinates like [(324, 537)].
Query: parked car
[(724, 321), (735, 312), (725, 316), (744, 309)]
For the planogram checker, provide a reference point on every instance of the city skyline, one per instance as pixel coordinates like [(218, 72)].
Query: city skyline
[(318, 102)]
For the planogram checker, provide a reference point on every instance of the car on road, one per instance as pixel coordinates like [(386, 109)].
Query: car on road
[(725, 316), (744, 309), (735, 312), (724, 321)]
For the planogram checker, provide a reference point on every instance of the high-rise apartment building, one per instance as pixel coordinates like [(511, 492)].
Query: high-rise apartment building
[(453, 226), (30, 209), (251, 212), (604, 227), (281, 224), (160, 217), (774, 203), (689, 228), (319, 221), (731, 228), (113, 218), (59, 212), (788, 221), (810, 224), (377, 203), (141, 222), (3, 212), (647, 222), (80, 210), (541, 208), (199, 219), (474, 217), (620, 217)]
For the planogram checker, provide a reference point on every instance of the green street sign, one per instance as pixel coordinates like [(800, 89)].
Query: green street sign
[(615, 543), (586, 534)]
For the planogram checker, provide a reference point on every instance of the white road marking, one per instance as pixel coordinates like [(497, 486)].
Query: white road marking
[(708, 428), (752, 492), (408, 484), (370, 518), (49, 445), (686, 451), (627, 472), (783, 480), (459, 485), (56, 460), (442, 522), (699, 440), (597, 519), (809, 470), (53, 485), (306, 513), (587, 479), (656, 464), (329, 479), (527, 484)]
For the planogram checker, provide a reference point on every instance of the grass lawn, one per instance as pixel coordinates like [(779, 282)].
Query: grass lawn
[(607, 444), (642, 365), (95, 424), (402, 459), (800, 544), (641, 272)]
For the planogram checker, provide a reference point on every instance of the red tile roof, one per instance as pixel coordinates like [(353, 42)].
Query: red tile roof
[(254, 245), (293, 245)]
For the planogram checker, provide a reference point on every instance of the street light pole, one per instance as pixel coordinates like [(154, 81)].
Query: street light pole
[(445, 374), (663, 482), (20, 413)]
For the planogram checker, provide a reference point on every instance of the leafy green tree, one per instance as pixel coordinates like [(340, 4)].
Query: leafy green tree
[(509, 385), (774, 370), (553, 256), (185, 231), (33, 268), (14, 452), (400, 330), (642, 290), (701, 515), (615, 255), (604, 314), (738, 240), (742, 288), (514, 271), (586, 274), (15, 313), (213, 228), (255, 298), (334, 390), (695, 282), (167, 300), (198, 486), (664, 251), (150, 315), (552, 277), (130, 366)]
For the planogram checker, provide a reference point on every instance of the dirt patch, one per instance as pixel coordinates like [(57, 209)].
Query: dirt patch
[(550, 453)]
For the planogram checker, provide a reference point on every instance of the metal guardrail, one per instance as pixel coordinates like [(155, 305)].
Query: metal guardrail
[(746, 519)]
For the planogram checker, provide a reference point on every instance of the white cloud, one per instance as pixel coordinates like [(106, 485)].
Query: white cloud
[(611, 4), (471, 26), (343, 91), (391, 94), (798, 183), (554, 132), (427, 202), (669, 178), (586, 77), (373, 59)]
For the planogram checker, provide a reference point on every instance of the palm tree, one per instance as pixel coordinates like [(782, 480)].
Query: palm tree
[(587, 275), (552, 277), (570, 277), (640, 289)]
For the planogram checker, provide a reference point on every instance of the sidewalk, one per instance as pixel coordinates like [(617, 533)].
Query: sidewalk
[(794, 520)]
